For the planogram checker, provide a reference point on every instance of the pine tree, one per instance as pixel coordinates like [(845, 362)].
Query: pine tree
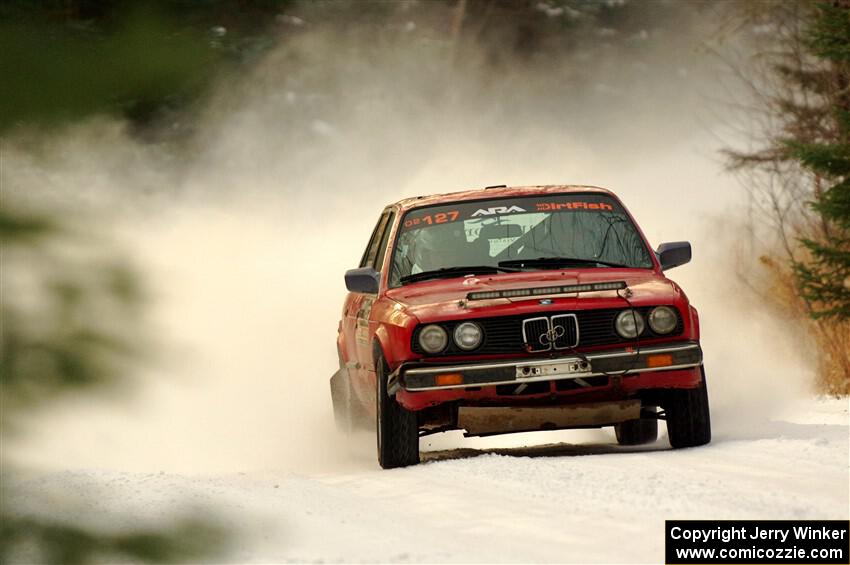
[(824, 276)]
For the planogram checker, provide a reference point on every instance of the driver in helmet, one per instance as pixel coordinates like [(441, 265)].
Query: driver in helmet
[(425, 251)]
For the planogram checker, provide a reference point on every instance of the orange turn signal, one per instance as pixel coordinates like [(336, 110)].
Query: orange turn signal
[(659, 361), (449, 379)]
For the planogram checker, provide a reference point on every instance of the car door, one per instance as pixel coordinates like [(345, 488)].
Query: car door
[(358, 309)]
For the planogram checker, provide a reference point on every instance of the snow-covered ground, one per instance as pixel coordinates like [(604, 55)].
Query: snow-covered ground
[(234, 425), (585, 501), (233, 422)]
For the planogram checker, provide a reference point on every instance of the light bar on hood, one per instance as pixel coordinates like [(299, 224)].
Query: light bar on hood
[(546, 290)]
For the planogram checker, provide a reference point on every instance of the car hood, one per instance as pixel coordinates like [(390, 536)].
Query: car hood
[(446, 298)]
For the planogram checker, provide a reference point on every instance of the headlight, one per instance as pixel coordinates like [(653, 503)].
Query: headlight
[(663, 320), (629, 323), (468, 336), (433, 339)]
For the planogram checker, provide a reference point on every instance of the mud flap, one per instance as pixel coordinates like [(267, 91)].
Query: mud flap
[(339, 397)]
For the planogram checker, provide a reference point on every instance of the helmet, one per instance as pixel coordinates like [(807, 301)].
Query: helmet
[(424, 248)]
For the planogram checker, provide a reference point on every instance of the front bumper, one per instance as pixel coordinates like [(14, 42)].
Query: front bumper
[(414, 377)]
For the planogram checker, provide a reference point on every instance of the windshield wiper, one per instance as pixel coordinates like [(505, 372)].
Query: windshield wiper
[(556, 263), (455, 271)]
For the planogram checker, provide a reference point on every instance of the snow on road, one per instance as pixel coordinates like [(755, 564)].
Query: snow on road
[(587, 501), (225, 406)]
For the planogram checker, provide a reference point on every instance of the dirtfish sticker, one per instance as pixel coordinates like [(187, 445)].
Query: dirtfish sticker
[(554, 206)]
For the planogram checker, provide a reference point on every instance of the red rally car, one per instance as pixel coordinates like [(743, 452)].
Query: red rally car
[(517, 309)]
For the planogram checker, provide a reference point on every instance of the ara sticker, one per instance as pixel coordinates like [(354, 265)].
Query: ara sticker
[(497, 210)]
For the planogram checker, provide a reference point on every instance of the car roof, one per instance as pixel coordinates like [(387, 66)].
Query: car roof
[(496, 192)]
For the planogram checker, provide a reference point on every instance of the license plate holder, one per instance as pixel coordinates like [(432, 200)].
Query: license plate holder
[(571, 368)]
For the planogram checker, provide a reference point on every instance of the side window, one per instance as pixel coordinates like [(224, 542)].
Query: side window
[(372, 249), (382, 248)]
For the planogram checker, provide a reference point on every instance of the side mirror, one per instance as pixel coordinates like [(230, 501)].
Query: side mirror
[(673, 254), (365, 280)]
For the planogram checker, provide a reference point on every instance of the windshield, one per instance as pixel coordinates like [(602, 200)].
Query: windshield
[(539, 232)]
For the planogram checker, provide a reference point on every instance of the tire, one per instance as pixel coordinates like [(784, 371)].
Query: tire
[(637, 432), (397, 430), (688, 417)]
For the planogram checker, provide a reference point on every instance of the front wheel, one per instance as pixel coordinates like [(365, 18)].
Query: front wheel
[(397, 428), (688, 418)]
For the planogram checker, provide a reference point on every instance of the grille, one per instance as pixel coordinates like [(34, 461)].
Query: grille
[(531, 329), (569, 336), (505, 333), (523, 389), (573, 384), (543, 333)]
